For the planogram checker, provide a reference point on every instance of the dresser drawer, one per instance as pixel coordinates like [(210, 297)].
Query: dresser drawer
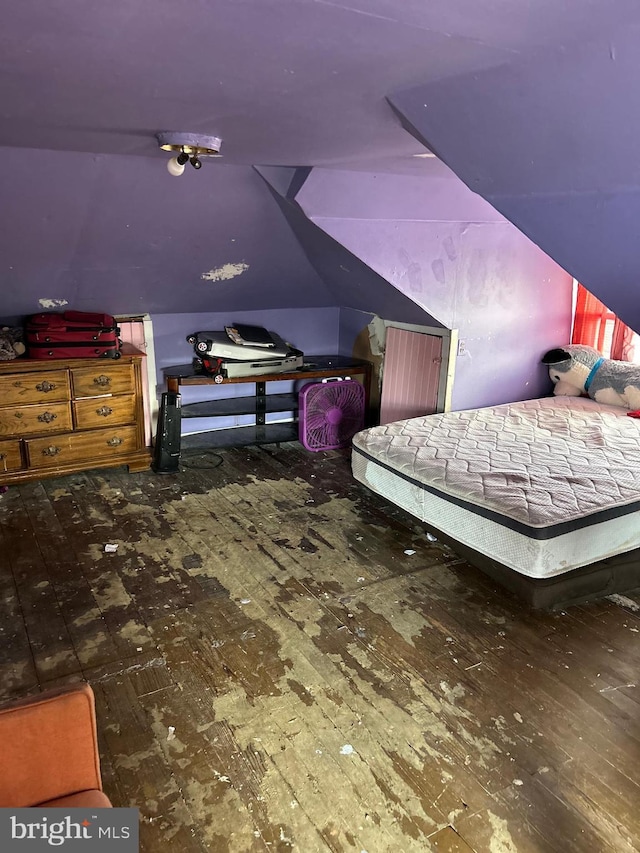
[(99, 444), (102, 379), (31, 420), (104, 411), (10, 456), (71, 414), (45, 385)]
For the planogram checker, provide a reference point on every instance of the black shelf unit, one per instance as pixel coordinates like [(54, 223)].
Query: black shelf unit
[(242, 436), (259, 404), (231, 406)]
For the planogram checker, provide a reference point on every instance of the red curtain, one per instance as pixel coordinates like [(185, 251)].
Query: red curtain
[(594, 325), (622, 345)]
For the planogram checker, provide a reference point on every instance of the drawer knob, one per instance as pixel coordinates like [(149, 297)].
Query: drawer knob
[(18, 415), (47, 417), (104, 411), (45, 386), (52, 450), (115, 441), (102, 380)]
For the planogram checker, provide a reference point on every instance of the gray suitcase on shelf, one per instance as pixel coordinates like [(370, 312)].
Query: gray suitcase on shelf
[(217, 355)]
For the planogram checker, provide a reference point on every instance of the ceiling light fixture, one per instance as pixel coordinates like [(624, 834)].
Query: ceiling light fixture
[(191, 147)]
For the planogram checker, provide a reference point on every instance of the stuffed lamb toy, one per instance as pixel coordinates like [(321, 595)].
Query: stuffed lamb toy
[(578, 370)]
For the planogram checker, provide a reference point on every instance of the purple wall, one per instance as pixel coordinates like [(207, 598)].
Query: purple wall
[(119, 234), (458, 259), (352, 281), (313, 331), (552, 142), (353, 326)]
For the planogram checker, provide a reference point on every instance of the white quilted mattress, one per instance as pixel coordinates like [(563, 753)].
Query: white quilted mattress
[(543, 486)]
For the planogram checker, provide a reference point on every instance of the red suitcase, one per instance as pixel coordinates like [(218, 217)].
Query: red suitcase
[(72, 334)]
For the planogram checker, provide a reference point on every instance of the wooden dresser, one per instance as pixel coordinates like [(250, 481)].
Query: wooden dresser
[(67, 415)]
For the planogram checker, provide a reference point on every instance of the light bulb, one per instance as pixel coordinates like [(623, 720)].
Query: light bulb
[(174, 168)]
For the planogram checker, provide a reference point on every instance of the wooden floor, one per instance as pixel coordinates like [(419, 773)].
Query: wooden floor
[(283, 661)]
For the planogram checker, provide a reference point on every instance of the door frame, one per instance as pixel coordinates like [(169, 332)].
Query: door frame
[(449, 353)]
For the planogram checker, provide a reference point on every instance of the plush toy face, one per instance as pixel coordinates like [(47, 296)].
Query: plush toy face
[(565, 388), (577, 370), (569, 368)]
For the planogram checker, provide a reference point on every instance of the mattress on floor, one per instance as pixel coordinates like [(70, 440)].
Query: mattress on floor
[(543, 486)]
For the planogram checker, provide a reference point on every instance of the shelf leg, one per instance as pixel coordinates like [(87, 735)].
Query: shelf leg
[(261, 403)]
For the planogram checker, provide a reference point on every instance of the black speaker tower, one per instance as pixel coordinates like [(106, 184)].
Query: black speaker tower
[(166, 452)]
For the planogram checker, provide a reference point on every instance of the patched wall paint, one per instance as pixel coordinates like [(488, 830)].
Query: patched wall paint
[(225, 272), (52, 303)]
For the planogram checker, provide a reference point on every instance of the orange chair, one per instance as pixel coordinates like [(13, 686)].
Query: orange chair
[(49, 751)]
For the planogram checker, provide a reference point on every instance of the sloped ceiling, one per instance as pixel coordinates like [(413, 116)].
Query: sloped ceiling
[(552, 143), (114, 233), (353, 282), (285, 83)]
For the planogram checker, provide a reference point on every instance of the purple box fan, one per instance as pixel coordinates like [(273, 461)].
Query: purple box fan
[(330, 413)]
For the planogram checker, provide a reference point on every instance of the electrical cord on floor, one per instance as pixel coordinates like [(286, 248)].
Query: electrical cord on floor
[(215, 460)]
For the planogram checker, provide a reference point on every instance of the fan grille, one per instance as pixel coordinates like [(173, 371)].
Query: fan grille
[(330, 414)]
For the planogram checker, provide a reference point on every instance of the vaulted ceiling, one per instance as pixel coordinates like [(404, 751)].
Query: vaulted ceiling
[(530, 102), (289, 82)]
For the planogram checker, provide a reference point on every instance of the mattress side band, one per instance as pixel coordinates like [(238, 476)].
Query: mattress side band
[(532, 532)]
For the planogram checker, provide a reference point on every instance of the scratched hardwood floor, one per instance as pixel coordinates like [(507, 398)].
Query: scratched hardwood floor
[(281, 660)]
